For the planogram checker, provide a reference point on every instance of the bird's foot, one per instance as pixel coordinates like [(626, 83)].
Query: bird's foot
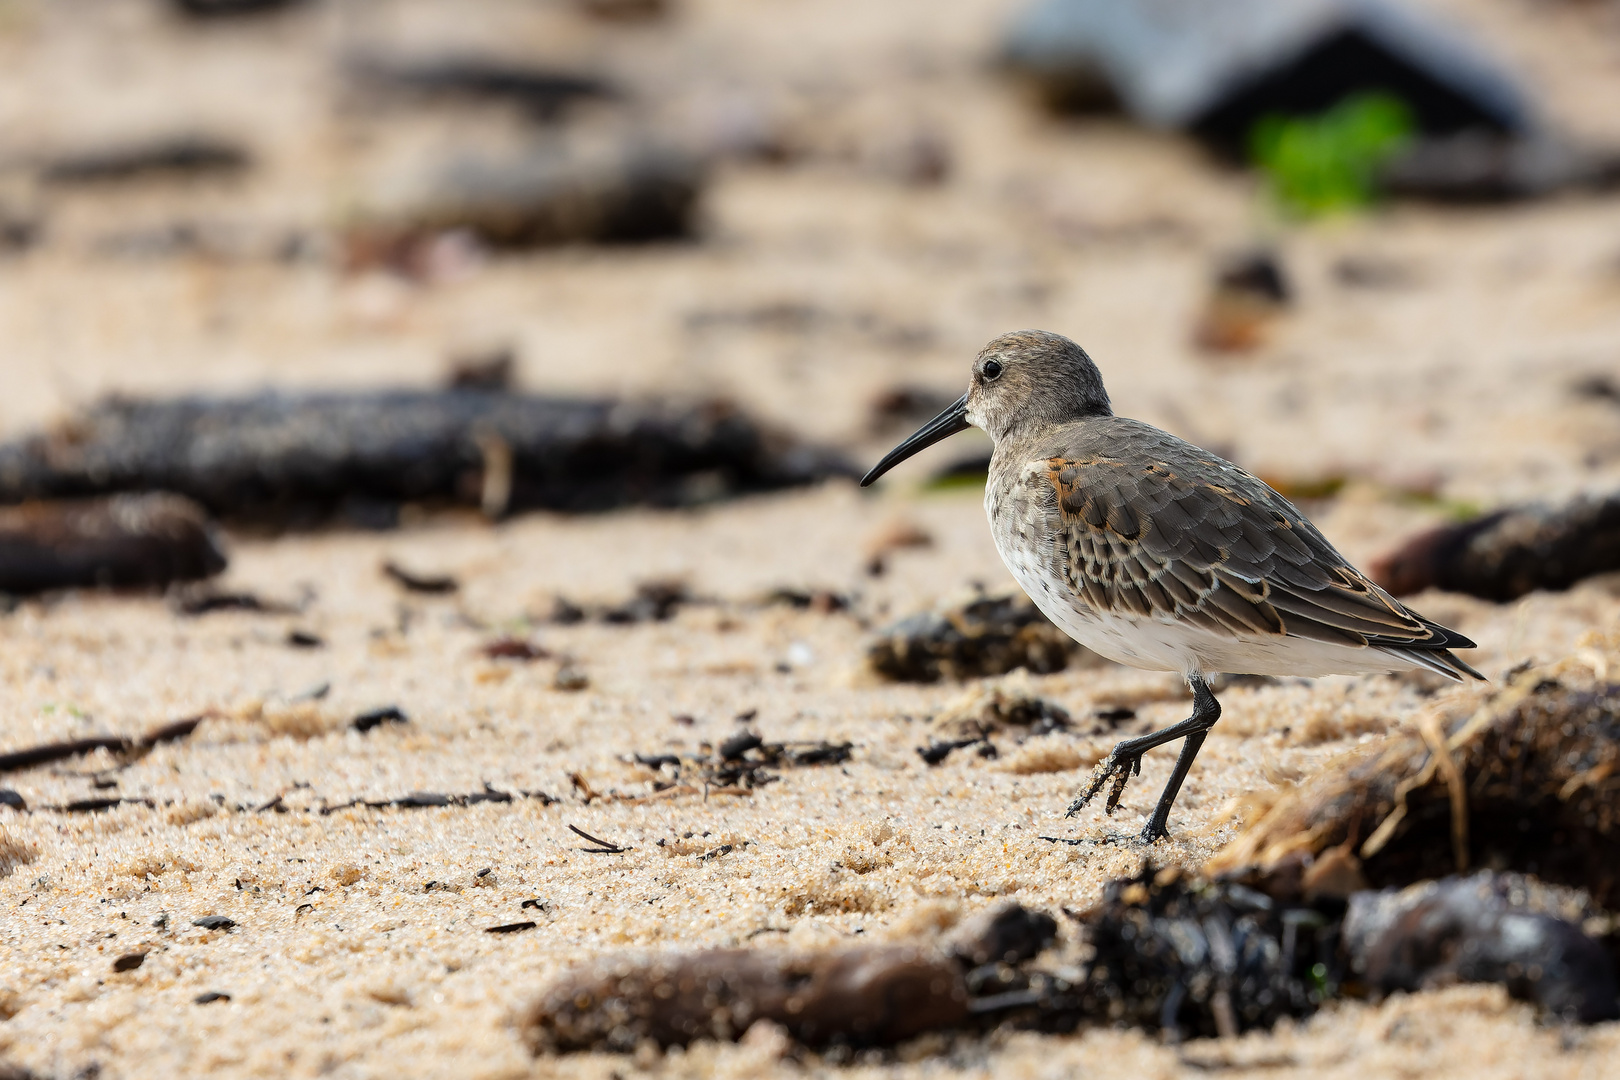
[(1153, 832), (1118, 767)]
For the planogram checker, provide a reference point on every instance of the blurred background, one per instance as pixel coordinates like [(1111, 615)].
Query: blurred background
[(423, 315), (1341, 242)]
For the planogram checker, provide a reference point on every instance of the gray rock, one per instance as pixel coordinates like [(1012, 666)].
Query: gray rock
[(1214, 67)]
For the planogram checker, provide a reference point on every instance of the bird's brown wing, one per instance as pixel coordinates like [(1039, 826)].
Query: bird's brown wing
[(1205, 543)]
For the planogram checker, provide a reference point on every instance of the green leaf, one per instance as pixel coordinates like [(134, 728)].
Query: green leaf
[(1326, 164)]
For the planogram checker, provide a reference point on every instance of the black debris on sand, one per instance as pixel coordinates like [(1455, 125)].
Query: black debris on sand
[(991, 635), (290, 460)]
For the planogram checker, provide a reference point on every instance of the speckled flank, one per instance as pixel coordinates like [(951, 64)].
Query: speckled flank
[(1155, 553)]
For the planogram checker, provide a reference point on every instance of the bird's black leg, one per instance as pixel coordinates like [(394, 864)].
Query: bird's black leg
[(1126, 760)]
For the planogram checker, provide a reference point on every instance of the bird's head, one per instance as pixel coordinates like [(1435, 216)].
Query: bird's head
[(1023, 379)]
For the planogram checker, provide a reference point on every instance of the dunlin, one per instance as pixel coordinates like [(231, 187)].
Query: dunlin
[(1157, 554)]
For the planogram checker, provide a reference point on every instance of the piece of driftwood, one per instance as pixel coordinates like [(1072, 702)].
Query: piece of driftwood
[(1505, 554), (991, 635), (1529, 781), (633, 192), (123, 541), (861, 996), (299, 459)]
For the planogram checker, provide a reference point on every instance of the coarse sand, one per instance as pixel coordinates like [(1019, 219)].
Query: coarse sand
[(359, 945)]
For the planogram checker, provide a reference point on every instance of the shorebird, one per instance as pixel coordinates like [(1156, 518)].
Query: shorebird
[(1155, 553)]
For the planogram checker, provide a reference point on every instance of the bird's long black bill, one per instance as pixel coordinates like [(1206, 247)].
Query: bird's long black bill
[(943, 426)]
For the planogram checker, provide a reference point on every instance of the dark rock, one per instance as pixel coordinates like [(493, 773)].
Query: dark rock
[(214, 922), (1216, 67), (510, 928), (859, 997), (1481, 928), (123, 541), (182, 156), (12, 799), (129, 962), (210, 997), (305, 639), (1505, 554), (988, 636), (291, 460)]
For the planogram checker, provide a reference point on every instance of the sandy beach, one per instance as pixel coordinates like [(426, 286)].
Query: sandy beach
[(360, 944)]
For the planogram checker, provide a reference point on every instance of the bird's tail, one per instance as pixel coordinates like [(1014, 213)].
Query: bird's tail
[(1438, 660)]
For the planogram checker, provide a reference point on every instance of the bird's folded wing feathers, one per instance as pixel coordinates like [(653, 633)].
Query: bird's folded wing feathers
[(1220, 550)]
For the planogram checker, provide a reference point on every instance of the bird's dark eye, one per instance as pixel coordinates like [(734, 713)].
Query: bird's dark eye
[(992, 369)]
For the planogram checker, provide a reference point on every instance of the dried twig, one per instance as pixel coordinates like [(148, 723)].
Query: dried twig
[(604, 847)]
